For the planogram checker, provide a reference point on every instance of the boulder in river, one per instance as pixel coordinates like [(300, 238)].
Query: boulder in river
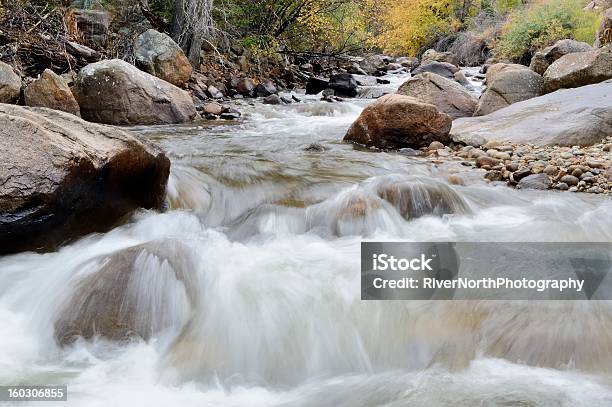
[(115, 92), (396, 121), (52, 91), (579, 69), (266, 88), (508, 87), (316, 85), (448, 96), (443, 69), (133, 293), (10, 84), (62, 177), (158, 54), (343, 84), (245, 87), (568, 117), (604, 33)]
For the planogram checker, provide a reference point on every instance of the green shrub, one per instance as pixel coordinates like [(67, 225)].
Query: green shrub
[(544, 23)]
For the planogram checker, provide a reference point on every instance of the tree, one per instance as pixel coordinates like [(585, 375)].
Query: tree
[(192, 25)]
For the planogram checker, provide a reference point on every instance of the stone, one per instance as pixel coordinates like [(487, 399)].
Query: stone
[(579, 69), (408, 62), (570, 180), (51, 91), (266, 88), (111, 301), (448, 96), (539, 63), (484, 160), (245, 87), (521, 173), (443, 69), (212, 108), (499, 68), (604, 32), (396, 121), (343, 84), (272, 100), (562, 186), (115, 92), (62, 177), (435, 145), (214, 92), (564, 47), (10, 84), (90, 24), (158, 54), (535, 181), (316, 85), (433, 55), (581, 116), (509, 86)]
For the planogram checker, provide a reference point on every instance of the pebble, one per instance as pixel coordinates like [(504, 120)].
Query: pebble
[(551, 170), (486, 161), (570, 180), (562, 186), (577, 172), (567, 155), (435, 145)]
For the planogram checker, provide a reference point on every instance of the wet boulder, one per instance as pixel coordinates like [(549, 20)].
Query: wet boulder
[(509, 86), (10, 84), (579, 69), (397, 121), (448, 96), (52, 91), (115, 92), (158, 54), (316, 85), (343, 84), (568, 117), (62, 177), (414, 198), (443, 69), (266, 88), (134, 293)]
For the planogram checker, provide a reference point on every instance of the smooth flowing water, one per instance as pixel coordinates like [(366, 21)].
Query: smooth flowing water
[(247, 289)]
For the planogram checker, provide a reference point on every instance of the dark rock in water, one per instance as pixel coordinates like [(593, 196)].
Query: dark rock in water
[(286, 100), (314, 148), (415, 198), (316, 85), (296, 99), (396, 121), (132, 294), (245, 87), (343, 84), (115, 92), (273, 100), (230, 115), (440, 68), (381, 81), (535, 181), (265, 88), (62, 177)]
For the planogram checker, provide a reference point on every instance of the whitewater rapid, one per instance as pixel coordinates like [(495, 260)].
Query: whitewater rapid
[(249, 284)]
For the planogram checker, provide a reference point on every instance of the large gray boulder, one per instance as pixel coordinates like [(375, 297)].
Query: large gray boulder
[(579, 69), (115, 92), (448, 96), (158, 54), (509, 86), (542, 59), (396, 121), (52, 91), (569, 117), (62, 177), (10, 84)]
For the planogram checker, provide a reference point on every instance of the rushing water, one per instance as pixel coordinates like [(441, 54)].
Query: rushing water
[(247, 288)]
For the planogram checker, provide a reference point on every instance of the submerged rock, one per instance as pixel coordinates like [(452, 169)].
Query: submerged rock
[(134, 293), (447, 95), (158, 54), (570, 117), (115, 92), (52, 91), (396, 121), (61, 177)]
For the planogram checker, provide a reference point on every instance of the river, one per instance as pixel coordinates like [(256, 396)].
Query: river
[(255, 297)]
